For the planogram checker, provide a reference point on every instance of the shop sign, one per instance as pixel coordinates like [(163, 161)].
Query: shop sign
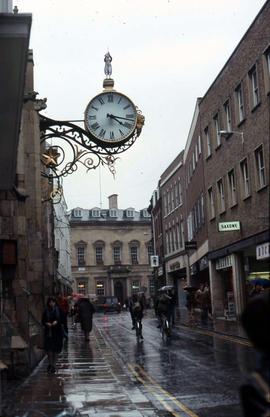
[(228, 226), (263, 251), (223, 263), (174, 266), (160, 271), (191, 245), (203, 263)]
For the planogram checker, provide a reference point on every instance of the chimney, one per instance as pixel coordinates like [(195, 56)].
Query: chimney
[(113, 201)]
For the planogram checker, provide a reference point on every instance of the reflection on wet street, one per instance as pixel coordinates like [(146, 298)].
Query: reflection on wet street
[(196, 374)]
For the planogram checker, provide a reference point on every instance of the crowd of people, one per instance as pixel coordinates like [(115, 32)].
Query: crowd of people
[(255, 392)]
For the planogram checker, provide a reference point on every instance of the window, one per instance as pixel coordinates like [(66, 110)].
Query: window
[(254, 86), (266, 66), (145, 213), (245, 184), (190, 227), (176, 195), (130, 213), (135, 286), (77, 213), (82, 288), (196, 153), (172, 238), (165, 204), (172, 197), (180, 193), (100, 288), (99, 255), (151, 286), (217, 130), (211, 203), (228, 120), (240, 102), (208, 141), (134, 255), (96, 213), (117, 254), (113, 213), (80, 255), (167, 241), (199, 145), (193, 161), (221, 196), (232, 188), (150, 252), (260, 168), (202, 208)]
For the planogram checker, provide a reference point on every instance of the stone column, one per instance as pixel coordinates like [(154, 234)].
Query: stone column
[(216, 290), (238, 283)]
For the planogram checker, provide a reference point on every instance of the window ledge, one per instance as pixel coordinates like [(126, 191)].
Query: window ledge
[(255, 107), (233, 205), (212, 219), (241, 122), (208, 157), (217, 147), (222, 212), (246, 197), (261, 188)]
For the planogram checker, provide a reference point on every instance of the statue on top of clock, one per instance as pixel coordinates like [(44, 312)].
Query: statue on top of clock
[(108, 65)]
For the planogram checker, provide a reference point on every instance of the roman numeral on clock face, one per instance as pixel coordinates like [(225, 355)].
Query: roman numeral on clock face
[(110, 98), (102, 133), (130, 116), (95, 126), (112, 135), (92, 117), (100, 99), (95, 108), (126, 107), (127, 125), (121, 133)]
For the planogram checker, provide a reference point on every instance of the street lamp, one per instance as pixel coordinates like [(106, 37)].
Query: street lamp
[(229, 132)]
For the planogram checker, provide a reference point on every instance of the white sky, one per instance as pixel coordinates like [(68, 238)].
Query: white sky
[(166, 53)]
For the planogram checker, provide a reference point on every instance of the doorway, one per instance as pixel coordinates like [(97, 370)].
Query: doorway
[(119, 291)]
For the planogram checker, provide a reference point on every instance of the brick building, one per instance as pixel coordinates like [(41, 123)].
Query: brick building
[(226, 167), (111, 251)]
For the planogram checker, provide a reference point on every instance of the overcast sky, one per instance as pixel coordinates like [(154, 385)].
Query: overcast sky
[(166, 53)]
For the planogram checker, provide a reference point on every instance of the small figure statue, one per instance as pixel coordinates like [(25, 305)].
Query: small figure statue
[(108, 65)]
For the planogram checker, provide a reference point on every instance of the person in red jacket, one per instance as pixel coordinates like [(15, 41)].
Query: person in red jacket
[(62, 303)]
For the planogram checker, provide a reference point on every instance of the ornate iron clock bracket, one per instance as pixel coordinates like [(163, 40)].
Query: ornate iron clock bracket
[(64, 145)]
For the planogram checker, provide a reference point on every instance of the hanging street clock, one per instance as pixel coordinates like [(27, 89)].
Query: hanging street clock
[(111, 118), (112, 124)]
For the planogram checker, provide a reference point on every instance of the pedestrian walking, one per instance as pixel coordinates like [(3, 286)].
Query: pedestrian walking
[(255, 392), (53, 332), (63, 304), (85, 311)]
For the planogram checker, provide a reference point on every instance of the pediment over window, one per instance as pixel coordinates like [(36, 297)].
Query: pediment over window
[(133, 243), (117, 243), (80, 243), (99, 243)]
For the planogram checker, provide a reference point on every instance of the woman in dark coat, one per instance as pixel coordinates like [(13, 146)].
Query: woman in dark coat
[(85, 312), (53, 332)]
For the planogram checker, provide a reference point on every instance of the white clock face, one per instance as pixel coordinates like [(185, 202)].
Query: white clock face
[(111, 117)]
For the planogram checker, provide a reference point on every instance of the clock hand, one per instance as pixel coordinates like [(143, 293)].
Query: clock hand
[(117, 117), (111, 116)]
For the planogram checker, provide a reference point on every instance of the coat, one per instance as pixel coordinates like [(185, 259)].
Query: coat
[(53, 336), (85, 311)]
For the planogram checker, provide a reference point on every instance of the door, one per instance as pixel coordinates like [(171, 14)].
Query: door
[(119, 291)]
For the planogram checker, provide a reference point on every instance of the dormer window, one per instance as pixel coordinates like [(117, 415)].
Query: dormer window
[(77, 213), (113, 213), (96, 213), (130, 213), (145, 213)]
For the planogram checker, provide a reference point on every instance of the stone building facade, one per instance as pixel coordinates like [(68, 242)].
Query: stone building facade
[(111, 251), (27, 254)]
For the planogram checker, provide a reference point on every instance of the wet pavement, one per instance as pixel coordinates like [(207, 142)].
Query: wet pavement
[(196, 375)]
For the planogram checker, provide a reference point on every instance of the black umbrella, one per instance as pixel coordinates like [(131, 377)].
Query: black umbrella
[(260, 281), (190, 288)]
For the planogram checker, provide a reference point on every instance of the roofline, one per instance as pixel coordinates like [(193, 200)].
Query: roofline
[(235, 49)]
